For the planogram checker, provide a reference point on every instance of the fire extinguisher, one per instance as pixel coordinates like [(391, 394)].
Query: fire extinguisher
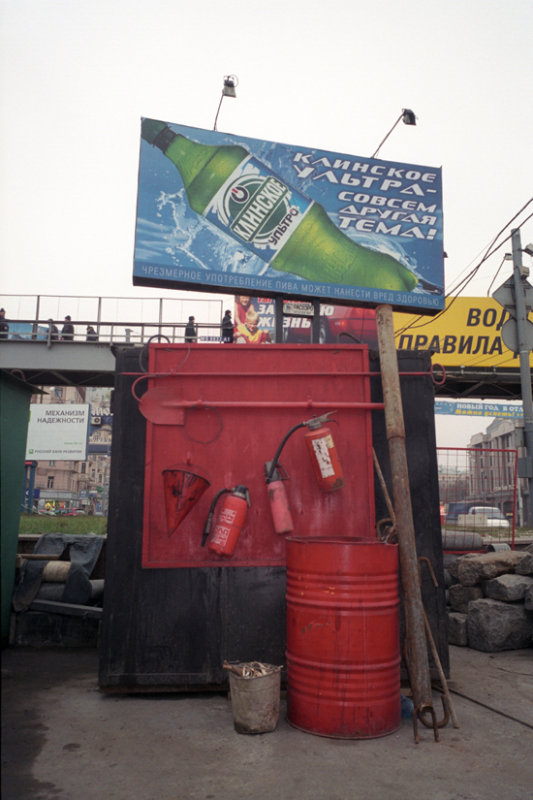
[(279, 503), (230, 519), (323, 453)]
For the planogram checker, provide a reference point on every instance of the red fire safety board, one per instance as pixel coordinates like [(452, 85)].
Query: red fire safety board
[(216, 413)]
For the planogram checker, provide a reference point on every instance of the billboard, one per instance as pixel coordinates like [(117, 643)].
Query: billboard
[(226, 213), (467, 333), (57, 432), (254, 319), (459, 408)]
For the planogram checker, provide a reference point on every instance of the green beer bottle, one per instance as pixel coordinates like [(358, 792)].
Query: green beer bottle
[(292, 233)]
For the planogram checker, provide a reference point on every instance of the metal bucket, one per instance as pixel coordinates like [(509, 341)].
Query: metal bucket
[(343, 648), (255, 702)]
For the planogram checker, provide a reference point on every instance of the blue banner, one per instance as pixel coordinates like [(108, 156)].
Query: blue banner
[(461, 409), (225, 213)]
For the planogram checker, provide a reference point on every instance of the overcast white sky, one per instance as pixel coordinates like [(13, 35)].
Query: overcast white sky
[(77, 75)]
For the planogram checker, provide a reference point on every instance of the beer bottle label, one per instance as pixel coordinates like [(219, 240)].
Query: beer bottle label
[(257, 208)]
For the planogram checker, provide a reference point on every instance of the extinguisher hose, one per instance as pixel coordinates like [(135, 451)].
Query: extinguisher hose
[(209, 520), (274, 462)]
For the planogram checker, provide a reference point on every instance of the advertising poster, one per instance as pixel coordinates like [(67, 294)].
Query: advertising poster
[(226, 213), (57, 432), (468, 333), (460, 408), (254, 319)]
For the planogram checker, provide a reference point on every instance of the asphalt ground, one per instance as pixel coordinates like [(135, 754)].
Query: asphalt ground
[(63, 739)]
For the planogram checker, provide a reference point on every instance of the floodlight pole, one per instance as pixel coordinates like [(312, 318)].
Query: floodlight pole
[(524, 350), (218, 111)]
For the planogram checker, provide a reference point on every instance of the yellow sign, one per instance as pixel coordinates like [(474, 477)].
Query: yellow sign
[(467, 333)]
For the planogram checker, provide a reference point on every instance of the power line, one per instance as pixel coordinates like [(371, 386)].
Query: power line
[(454, 292)]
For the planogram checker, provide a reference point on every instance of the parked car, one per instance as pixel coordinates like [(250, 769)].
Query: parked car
[(460, 507), (74, 512), (486, 517)]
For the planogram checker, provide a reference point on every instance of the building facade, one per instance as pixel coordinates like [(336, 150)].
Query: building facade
[(493, 468)]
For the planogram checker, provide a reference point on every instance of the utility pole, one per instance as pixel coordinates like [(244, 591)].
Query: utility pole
[(516, 296), (525, 345)]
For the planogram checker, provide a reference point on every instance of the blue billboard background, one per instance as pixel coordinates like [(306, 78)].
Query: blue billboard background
[(470, 409), (388, 207)]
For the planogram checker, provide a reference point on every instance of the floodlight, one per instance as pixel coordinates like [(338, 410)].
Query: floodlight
[(228, 90), (407, 116)]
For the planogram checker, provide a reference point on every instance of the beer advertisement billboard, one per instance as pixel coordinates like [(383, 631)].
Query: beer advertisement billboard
[(225, 213)]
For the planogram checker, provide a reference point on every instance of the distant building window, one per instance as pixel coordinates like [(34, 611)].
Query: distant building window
[(58, 391), (83, 468), (51, 463), (50, 482)]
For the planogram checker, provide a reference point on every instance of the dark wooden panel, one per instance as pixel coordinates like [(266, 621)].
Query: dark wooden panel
[(419, 418)]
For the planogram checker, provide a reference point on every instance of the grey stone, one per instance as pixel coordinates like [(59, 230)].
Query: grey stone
[(493, 626), (483, 566), (525, 565), (459, 596), (448, 580), (508, 588), (457, 629), (528, 599), (453, 565)]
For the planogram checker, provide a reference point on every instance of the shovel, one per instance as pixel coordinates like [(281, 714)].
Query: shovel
[(162, 405)]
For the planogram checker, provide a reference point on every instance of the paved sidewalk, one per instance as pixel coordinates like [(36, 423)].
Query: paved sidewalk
[(64, 740)]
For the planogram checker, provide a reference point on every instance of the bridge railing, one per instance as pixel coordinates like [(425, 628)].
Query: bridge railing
[(31, 317), (107, 332)]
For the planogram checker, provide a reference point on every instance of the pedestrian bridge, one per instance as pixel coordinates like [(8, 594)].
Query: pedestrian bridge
[(32, 352), (35, 353)]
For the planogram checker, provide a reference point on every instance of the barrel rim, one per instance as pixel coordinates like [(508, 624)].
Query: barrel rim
[(354, 540)]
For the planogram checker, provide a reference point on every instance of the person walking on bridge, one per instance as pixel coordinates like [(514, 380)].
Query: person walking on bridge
[(53, 331), (191, 331), (67, 331), (4, 325), (227, 328)]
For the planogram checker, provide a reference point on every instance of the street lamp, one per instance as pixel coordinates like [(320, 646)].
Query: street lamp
[(407, 117), (228, 90)]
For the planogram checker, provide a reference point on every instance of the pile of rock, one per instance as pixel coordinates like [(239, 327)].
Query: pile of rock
[(490, 598)]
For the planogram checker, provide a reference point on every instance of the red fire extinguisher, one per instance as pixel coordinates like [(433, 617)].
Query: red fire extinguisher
[(323, 453), (279, 503), (230, 520)]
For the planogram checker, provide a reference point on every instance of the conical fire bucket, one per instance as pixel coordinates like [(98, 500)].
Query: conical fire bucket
[(183, 488)]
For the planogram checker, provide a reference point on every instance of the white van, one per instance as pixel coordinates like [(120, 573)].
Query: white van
[(486, 517)]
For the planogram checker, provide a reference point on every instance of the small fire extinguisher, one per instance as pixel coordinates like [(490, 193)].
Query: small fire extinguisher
[(279, 503), (230, 520), (324, 456)]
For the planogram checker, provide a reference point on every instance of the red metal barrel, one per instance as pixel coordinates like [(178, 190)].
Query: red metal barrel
[(343, 649)]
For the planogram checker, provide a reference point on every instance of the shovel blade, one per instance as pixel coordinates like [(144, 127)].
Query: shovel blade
[(162, 406)]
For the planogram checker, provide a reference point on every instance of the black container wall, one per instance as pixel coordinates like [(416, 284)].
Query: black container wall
[(419, 418), (172, 628)]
